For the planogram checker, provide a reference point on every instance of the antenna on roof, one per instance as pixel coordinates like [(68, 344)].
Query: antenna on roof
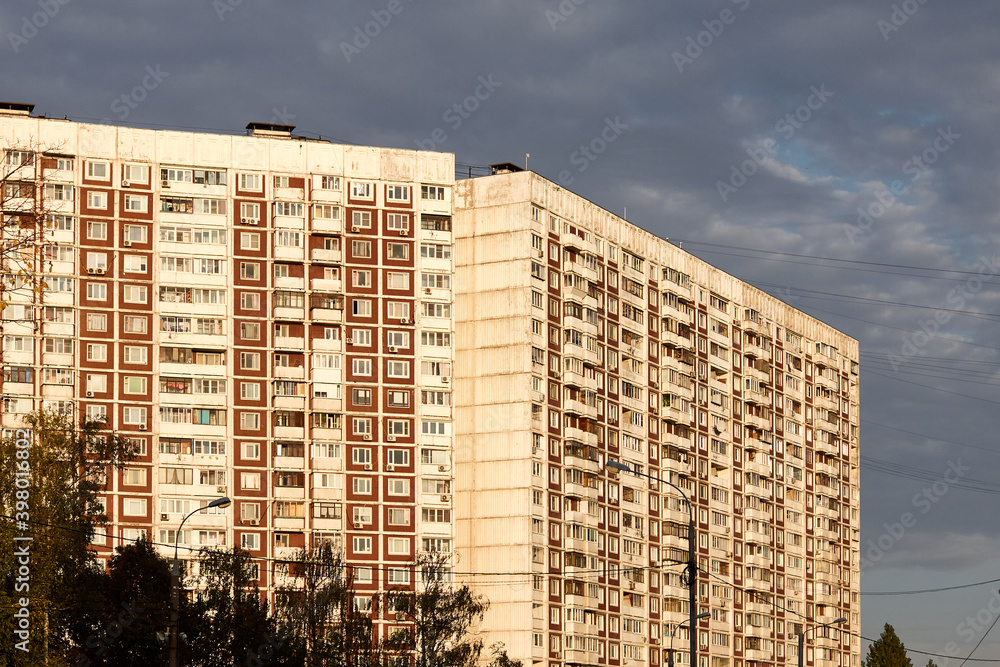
[(526, 156)]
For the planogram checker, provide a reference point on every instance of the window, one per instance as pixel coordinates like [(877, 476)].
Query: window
[(98, 170), (397, 280), (432, 192), (250, 301), (362, 545), (97, 291), (361, 219), (435, 251), (361, 366), (361, 190), (249, 421), (397, 250), (136, 324), (134, 507), (397, 193), (97, 322), (250, 361), (136, 203), (292, 209), (97, 199), (399, 546), (361, 249), (249, 241), (361, 307), (97, 231), (329, 182), (361, 278), (250, 330), (399, 487), (288, 239), (399, 399), (398, 222), (135, 263), (251, 182), (135, 293), (135, 385), (398, 369)]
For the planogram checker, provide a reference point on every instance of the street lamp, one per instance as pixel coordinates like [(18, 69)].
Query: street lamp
[(175, 579), (802, 637), (692, 566), (677, 626)]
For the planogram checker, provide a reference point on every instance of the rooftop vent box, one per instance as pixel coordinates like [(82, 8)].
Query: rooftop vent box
[(269, 130), (16, 109)]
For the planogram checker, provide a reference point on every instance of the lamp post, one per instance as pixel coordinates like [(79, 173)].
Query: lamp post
[(677, 626), (802, 637), (175, 580), (692, 567)]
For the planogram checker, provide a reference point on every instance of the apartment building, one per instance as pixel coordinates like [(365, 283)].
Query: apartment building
[(268, 317), (581, 339)]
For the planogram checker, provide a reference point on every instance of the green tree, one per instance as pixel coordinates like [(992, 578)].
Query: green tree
[(931, 663), (500, 657), (56, 469), (887, 651)]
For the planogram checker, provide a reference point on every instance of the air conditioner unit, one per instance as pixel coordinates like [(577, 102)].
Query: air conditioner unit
[(350, 341), (427, 290), (90, 394), (368, 436), (99, 271), (445, 379), (220, 489), (355, 229), (445, 499), (126, 243), (91, 271), (254, 522), (402, 232), (442, 468), (368, 466), (404, 320), (164, 517), (164, 184), (125, 183), (142, 427), (390, 438), (390, 467), (400, 616)]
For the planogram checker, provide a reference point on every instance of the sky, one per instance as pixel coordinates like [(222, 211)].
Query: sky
[(841, 156)]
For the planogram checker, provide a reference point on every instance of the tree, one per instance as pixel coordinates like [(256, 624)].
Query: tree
[(318, 613), (931, 663), (229, 618), (128, 610), (500, 657), (56, 469), (443, 617), (887, 651)]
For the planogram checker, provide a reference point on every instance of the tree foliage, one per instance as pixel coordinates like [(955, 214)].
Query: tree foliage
[(887, 651), (61, 466)]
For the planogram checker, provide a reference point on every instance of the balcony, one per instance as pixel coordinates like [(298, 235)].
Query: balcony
[(327, 256)]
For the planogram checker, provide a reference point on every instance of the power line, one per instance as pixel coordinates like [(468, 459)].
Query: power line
[(933, 590)]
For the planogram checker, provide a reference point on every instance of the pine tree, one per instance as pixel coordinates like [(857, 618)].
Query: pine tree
[(887, 651)]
